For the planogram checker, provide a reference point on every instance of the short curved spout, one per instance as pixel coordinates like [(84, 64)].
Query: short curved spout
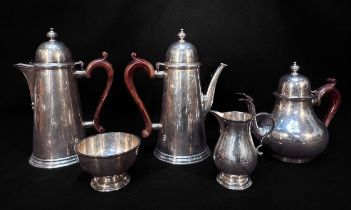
[(259, 132), (207, 100), (28, 71)]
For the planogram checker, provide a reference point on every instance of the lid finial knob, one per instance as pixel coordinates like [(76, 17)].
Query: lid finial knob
[(51, 34), (181, 35), (294, 67)]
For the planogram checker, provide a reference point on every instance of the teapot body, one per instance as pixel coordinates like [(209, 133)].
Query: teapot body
[(299, 135)]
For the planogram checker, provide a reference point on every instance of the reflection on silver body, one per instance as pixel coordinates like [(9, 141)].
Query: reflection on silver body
[(182, 133), (58, 122), (107, 157), (235, 154), (299, 135)]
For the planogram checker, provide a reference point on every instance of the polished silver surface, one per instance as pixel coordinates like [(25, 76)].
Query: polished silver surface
[(299, 135), (294, 85), (52, 51), (235, 154), (58, 122), (107, 157), (181, 52), (182, 137)]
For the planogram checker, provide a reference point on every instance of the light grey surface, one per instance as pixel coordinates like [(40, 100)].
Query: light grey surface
[(299, 135), (107, 157), (235, 154), (58, 122), (181, 138)]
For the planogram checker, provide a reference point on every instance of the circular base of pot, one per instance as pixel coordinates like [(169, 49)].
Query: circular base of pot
[(234, 182), (110, 183), (291, 160), (182, 160), (52, 163)]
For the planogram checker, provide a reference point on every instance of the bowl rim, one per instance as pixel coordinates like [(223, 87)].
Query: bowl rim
[(107, 156)]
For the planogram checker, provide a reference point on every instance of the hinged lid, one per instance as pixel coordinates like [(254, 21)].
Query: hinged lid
[(52, 51), (181, 53), (294, 85)]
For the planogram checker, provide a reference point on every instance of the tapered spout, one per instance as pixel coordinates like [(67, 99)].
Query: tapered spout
[(207, 100), (28, 71)]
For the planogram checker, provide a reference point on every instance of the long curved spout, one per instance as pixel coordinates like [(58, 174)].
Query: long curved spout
[(28, 71), (207, 100)]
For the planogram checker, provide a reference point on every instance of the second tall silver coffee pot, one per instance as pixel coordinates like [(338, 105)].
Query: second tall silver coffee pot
[(58, 121), (181, 138), (299, 135)]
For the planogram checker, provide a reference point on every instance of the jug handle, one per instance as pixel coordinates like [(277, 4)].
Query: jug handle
[(94, 64), (324, 90), (263, 137), (135, 64)]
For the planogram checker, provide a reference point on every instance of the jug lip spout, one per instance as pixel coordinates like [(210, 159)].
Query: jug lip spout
[(234, 116)]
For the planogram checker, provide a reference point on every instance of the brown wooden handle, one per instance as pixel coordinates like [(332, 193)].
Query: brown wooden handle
[(135, 64), (101, 63), (326, 89)]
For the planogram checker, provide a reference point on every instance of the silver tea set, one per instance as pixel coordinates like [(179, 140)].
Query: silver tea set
[(292, 133)]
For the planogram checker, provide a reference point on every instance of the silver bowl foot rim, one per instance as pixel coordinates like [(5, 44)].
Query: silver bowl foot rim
[(291, 159), (182, 160), (110, 183), (234, 182), (52, 163)]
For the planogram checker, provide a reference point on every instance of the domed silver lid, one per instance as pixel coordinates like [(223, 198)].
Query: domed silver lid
[(181, 53), (52, 51), (294, 85)]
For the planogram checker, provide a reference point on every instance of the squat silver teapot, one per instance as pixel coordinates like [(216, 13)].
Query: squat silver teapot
[(299, 135), (181, 139), (58, 122)]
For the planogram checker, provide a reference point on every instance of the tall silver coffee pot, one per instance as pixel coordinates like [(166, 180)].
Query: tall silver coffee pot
[(181, 138), (58, 122), (299, 135)]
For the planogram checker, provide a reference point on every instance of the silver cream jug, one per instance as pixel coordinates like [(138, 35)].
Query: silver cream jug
[(58, 122), (181, 138), (299, 135), (235, 154)]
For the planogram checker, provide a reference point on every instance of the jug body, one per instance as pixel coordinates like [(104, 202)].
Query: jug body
[(235, 154)]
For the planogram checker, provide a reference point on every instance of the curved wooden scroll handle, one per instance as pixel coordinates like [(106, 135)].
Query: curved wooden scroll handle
[(326, 89), (135, 64), (101, 63)]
